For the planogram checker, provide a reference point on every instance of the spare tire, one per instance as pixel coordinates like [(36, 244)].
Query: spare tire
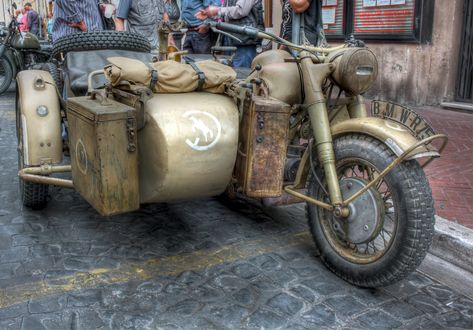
[(100, 40)]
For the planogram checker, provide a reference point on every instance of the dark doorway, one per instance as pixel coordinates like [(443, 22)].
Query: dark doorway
[(464, 90)]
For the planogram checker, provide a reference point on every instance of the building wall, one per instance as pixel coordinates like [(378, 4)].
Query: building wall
[(422, 74), (412, 73)]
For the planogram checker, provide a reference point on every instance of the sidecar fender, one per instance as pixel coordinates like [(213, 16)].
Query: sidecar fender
[(392, 134), (40, 117)]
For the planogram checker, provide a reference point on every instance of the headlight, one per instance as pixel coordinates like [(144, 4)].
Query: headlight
[(356, 69)]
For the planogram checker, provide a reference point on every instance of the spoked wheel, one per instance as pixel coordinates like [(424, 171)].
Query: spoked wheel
[(32, 195), (6, 75), (390, 226)]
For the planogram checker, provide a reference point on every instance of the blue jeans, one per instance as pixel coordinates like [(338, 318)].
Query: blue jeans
[(244, 55), (197, 43)]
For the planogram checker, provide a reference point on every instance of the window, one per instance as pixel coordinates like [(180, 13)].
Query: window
[(378, 20)]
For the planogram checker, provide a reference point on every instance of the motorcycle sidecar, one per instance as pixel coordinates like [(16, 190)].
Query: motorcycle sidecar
[(126, 147)]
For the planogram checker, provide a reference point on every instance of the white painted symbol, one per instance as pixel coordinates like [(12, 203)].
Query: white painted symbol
[(81, 156), (207, 128)]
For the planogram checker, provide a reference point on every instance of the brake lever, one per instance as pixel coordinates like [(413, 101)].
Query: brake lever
[(214, 29)]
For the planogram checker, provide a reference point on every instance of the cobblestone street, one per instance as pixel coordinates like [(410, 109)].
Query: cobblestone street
[(201, 264)]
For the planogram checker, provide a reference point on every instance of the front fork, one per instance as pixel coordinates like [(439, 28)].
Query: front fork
[(313, 77)]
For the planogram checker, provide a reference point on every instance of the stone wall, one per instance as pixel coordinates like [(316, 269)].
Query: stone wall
[(413, 73), (422, 74)]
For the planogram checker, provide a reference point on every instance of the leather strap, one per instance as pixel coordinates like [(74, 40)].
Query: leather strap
[(200, 75), (154, 79)]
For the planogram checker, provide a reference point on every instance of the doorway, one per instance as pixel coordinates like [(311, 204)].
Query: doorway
[(464, 88)]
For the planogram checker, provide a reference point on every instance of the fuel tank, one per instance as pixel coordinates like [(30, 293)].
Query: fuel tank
[(25, 40), (188, 146), (281, 78)]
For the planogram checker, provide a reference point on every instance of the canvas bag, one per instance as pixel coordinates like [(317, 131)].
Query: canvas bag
[(172, 77)]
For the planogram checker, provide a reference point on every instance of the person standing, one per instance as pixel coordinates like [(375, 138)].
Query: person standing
[(23, 21), (32, 19), (143, 17), (73, 16), (242, 13), (313, 26), (198, 39), (49, 27)]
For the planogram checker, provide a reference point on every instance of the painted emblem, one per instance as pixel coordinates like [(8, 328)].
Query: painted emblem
[(206, 129), (81, 156)]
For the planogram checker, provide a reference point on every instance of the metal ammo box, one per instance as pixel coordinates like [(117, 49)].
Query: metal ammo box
[(263, 146), (104, 155)]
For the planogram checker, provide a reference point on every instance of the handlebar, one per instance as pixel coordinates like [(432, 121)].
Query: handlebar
[(232, 28), (255, 33)]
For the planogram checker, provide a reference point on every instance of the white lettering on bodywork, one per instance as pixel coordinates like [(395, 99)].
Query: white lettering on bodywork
[(206, 128)]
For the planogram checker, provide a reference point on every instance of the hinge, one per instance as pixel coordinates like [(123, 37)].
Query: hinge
[(131, 131)]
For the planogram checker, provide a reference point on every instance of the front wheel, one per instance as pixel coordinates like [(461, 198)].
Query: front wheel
[(6, 74), (390, 226)]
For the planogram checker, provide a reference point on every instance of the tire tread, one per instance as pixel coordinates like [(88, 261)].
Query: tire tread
[(420, 222)]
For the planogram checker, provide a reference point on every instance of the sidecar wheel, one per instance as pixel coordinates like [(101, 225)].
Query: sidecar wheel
[(390, 227), (32, 194)]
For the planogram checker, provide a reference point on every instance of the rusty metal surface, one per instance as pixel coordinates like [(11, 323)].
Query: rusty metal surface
[(263, 147), (104, 156)]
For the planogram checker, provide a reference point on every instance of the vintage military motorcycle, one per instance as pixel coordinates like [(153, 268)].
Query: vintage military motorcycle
[(283, 135), (20, 51)]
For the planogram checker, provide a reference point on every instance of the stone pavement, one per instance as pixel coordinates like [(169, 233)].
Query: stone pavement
[(451, 176), (191, 265)]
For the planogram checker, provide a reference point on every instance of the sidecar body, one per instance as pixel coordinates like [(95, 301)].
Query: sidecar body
[(129, 145)]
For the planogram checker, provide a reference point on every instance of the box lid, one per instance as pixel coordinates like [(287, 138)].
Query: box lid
[(95, 110)]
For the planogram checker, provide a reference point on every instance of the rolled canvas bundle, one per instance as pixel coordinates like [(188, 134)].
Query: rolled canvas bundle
[(170, 76)]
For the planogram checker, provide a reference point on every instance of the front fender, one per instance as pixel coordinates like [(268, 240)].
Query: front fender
[(392, 134), (42, 141)]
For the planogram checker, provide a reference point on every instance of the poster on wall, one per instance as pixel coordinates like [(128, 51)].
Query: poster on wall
[(369, 3), (332, 17), (329, 15), (381, 3), (384, 16), (329, 3)]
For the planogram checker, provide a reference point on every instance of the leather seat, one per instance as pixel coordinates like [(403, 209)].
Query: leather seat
[(78, 65)]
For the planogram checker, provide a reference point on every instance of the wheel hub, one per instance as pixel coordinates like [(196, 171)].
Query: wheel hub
[(365, 219)]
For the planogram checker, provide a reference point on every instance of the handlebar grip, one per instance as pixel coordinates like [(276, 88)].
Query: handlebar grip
[(231, 28)]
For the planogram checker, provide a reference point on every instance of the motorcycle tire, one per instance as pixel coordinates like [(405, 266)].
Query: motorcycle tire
[(404, 202), (55, 74), (6, 75), (98, 40), (33, 195)]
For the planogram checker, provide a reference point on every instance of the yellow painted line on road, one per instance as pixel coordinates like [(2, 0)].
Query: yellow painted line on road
[(166, 266)]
